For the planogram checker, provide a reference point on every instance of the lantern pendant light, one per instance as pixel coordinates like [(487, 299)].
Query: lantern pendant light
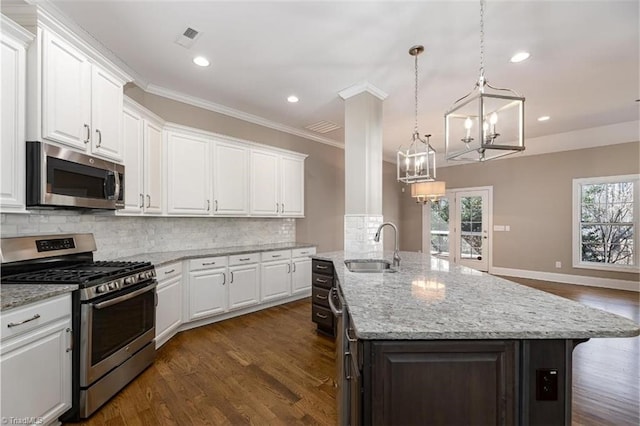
[(417, 163), (495, 116)]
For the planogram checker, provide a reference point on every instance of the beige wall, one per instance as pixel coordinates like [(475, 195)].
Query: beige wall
[(533, 195), (324, 168)]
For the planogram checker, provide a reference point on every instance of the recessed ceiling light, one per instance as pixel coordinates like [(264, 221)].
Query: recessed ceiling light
[(544, 118), (293, 99), (519, 57), (201, 61)]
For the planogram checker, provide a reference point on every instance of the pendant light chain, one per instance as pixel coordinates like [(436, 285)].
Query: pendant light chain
[(481, 42), (416, 95)]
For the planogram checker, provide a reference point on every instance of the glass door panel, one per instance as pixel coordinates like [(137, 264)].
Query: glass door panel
[(439, 223), (471, 229)]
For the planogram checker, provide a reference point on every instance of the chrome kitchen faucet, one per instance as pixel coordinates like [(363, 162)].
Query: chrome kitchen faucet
[(396, 251)]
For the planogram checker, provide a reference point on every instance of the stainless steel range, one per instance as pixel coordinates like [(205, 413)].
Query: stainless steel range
[(113, 310)]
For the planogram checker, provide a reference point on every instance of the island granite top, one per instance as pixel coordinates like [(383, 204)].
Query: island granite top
[(430, 299), (161, 258)]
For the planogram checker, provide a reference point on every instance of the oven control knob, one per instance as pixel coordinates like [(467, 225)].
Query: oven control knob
[(142, 276), (129, 280), (101, 289), (149, 274), (113, 286)]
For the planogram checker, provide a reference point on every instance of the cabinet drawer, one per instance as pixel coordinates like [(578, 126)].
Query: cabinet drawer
[(207, 263), (320, 296), (25, 318), (322, 267), (322, 280), (302, 252), (322, 316), (169, 271), (276, 255), (241, 259)]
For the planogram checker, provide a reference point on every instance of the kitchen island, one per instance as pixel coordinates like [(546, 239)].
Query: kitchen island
[(434, 343)]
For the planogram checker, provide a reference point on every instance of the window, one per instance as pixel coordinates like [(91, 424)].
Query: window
[(605, 215), (440, 227)]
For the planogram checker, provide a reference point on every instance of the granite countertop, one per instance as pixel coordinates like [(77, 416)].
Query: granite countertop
[(161, 258), (428, 298), (15, 295)]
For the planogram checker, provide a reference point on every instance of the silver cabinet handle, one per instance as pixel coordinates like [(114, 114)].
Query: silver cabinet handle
[(321, 267), (319, 280), (244, 259), (349, 338), (70, 348), (99, 138), (347, 365), (319, 315), (276, 255), (321, 297), (86, 140), (224, 278), (208, 263), (168, 272), (208, 205), (294, 267), (215, 202), (277, 207), (141, 200), (282, 210), (231, 277), (15, 324), (337, 312), (288, 268), (148, 200)]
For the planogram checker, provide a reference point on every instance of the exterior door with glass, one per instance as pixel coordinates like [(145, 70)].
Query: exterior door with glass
[(458, 227)]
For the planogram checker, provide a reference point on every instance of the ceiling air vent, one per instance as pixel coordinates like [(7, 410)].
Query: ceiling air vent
[(322, 127), (188, 37)]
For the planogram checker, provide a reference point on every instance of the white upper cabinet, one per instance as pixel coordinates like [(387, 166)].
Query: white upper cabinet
[(106, 114), (80, 102), (142, 157), (13, 42), (292, 186), (277, 184), (264, 183), (66, 93), (230, 179), (188, 190)]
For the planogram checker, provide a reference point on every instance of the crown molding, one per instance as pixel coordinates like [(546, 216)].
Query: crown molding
[(16, 31), (362, 87), (221, 109)]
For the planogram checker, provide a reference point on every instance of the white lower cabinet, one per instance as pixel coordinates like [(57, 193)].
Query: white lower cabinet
[(244, 280), (301, 270), (169, 309), (35, 360), (207, 287), (275, 275)]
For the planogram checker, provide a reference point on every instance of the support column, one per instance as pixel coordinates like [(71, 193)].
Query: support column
[(363, 169)]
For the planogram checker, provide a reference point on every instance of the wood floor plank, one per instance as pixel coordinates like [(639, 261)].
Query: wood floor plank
[(271, 368)]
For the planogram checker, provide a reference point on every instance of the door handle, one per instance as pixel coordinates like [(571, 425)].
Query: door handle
[(231, 277), (216, 205), (99, 138), (148, 200), (208, 205), (141, 200), (86, 140)]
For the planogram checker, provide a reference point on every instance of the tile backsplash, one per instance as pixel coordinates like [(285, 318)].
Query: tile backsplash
[(119, 236)]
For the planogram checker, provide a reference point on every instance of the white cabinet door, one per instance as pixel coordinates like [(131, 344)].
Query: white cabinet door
[(291, 186), (188, 175), (243, 286), (230, 179), (132, 137), (152, 168), (106, 114), (207, 293), (275, 279), (12, 129), (264, 183), (169, 309), (66, 93), (300, 275), (36, 373)]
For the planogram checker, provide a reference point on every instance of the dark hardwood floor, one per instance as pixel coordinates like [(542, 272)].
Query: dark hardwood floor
[(271, 368)]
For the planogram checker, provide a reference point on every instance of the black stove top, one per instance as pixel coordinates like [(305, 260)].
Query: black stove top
[(83, 274)]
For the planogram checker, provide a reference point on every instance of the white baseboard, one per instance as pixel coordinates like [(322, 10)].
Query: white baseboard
[(568, 279)]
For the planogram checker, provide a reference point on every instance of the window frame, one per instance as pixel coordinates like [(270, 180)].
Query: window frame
[(577, 222)]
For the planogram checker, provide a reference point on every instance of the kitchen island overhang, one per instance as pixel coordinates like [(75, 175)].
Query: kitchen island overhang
[(430, 324)]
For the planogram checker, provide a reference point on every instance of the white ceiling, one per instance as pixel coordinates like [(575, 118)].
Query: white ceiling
[(583, 70)]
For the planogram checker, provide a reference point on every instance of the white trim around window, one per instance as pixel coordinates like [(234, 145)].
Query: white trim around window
[(577, 223)]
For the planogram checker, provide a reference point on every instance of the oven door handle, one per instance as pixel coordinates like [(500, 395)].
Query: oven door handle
[(131, 295)]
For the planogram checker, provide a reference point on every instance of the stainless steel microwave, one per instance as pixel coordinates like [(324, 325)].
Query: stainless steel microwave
[(61, 178)]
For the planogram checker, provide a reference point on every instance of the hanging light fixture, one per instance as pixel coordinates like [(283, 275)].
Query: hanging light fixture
[(418, 162), (428, 191), (486, 123)]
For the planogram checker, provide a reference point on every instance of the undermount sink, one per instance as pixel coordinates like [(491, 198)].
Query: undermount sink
[(369, 265)]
